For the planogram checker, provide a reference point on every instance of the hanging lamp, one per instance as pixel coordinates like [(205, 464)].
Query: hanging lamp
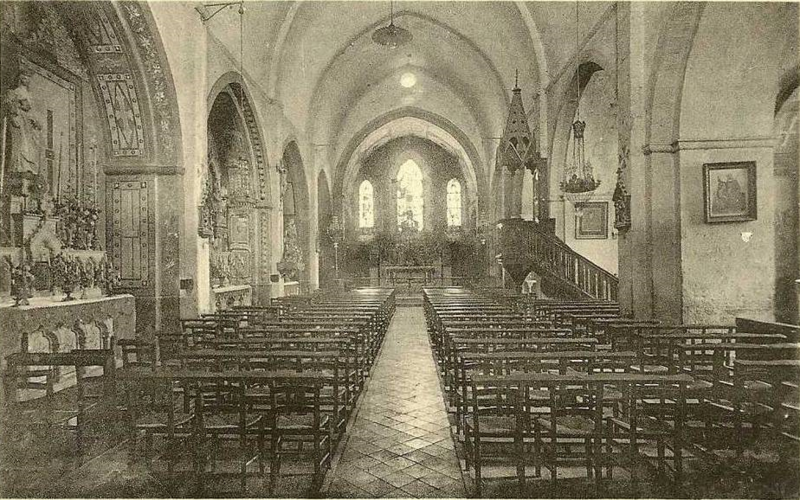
[(578, 183), (391, 36)]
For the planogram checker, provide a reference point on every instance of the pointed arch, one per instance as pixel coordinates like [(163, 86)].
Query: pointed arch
[(366, 205), (410, 196), (454, 205)]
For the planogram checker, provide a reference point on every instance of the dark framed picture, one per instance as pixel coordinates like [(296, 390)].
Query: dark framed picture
[(592, 224), (729, 191)]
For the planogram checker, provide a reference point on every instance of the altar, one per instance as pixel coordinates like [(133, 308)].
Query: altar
[(49, 325), (408, 278)]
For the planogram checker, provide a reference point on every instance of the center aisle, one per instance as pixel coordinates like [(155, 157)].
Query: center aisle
[(400, 443)]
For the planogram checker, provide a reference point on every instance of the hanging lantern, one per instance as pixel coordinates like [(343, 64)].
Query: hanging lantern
[(578, 183)]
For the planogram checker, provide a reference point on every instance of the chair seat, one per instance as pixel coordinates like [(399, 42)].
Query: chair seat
[(645, 426), (227, 421), (159, 420), (570, 425), (756, 385), (495, 425), (650, 368), (699, 385), (304, 421)]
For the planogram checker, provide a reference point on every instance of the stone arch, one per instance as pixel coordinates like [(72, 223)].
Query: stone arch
[(292, 162), (665, 88), (120, 74), (474, 177), (233, 81)]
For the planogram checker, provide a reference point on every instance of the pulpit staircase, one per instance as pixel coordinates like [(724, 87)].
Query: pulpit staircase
[(528, 246)]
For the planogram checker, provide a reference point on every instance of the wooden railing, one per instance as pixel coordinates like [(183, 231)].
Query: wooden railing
[(554, 260)]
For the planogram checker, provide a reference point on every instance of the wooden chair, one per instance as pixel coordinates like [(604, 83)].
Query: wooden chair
[(154, 409), (138, 354), (493, 427), (569, 428), (73, 410), (225, 426), (652, 411), (298, 420)]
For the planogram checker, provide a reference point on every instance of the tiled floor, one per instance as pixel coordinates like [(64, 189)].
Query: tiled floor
[(400, 443)]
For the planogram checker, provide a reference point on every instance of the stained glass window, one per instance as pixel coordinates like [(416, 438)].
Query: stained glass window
[(454, 203), (366, 205), (410, 202)]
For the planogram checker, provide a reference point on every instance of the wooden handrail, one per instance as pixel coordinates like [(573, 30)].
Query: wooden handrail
[(552, 256)]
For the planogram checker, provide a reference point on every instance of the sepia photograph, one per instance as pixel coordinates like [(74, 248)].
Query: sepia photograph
[(399, 249)]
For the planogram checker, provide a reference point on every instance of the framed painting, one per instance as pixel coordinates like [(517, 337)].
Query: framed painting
[(729, 191), (593, 223)]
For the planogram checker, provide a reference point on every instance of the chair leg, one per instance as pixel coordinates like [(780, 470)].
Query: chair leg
[(477, 465), (520, 445), (275, 464)]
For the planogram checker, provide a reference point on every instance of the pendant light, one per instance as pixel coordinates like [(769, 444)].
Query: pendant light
[(391, 36), (578, 183)]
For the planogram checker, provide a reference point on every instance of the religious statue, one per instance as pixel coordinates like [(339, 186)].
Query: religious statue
[(22, 129)]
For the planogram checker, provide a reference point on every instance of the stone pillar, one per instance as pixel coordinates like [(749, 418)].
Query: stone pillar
[(635, 274), (144, 225)]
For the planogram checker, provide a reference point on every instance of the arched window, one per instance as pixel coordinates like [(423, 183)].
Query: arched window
[(366, 205), (410, 201), (454, 203)]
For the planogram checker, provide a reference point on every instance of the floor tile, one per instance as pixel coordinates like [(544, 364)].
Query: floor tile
[(401, 435)]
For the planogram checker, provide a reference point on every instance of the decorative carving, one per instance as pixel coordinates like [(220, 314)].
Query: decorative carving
[(621, 198), (283, 174), (255, 141), (99, 32), (622, 205), (134, 226), (123, 113), (292, 263), (213, 206), (158, 82), (232, 296), (230, 268)]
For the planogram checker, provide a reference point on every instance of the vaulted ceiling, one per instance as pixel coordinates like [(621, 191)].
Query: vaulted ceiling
[(317, 59)]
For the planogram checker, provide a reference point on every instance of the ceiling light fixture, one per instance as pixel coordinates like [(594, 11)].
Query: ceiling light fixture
[(408, 80), (391, 36)]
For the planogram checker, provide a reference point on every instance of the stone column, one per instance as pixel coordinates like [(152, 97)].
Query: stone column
[(144, 225)]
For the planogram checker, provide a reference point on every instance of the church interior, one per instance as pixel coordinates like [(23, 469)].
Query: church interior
[(401, 249)]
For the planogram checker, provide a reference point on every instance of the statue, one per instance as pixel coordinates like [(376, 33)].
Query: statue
[(21, 128)]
